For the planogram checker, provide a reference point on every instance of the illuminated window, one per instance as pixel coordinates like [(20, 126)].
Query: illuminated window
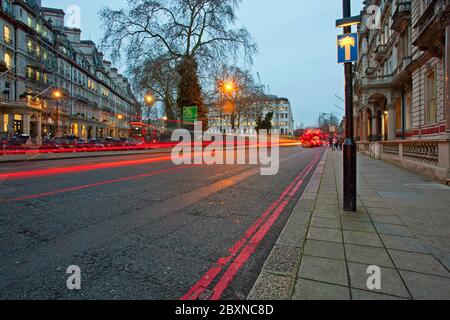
[(30, 21), (30, 46), (7, 34), (8, 60), (29, 73), (5, 123)]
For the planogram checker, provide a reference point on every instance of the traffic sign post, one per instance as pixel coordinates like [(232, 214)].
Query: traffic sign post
[(348, 53), (347, 45)]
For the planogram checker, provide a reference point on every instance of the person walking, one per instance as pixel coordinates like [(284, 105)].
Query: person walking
[(334, 143)]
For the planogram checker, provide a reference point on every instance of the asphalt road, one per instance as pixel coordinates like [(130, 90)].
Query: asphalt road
[(140, 227)]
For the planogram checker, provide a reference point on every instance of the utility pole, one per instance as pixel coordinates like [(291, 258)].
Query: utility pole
[(350, 187)]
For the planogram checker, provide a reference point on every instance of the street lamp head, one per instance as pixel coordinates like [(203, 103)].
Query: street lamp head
[(229, 86), (120, 117), (149, 99), (57, 94)]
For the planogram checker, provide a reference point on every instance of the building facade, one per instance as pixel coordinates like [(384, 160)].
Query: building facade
[(400, 89), (40, 56), (282, 122)]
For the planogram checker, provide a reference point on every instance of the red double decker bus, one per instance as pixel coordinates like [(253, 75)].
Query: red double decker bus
[(312, 139), (144, 133)]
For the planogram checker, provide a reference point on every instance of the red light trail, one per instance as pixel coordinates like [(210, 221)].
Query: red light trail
[(92, 185), (248, 243)]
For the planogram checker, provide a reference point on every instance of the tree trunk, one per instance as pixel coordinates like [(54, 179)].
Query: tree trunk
[(189, 90)]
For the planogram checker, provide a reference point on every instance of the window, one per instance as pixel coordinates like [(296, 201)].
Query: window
[(8, 59), (30, 21), (7, 34), (29, 73), (5, 123), (430, 98), (8, 6), (398, 114), (30, 46)]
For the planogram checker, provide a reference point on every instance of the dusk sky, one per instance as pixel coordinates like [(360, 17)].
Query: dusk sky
[(297, 48)]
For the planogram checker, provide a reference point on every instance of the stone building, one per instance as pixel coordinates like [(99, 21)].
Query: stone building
[(282, 122), (401, 113), (40, 56)]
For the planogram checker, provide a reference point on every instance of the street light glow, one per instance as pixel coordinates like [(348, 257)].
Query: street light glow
[(57, 94), (229, 86), (149, 99)]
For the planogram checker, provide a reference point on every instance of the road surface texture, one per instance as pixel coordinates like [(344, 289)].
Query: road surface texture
[(140, 227)]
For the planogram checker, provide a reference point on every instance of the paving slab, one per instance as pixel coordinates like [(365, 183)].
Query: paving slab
[(401, 226), (314, 290), (323, 249), (324, 270), (427, 287)]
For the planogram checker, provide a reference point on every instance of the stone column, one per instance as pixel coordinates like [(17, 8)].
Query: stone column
[(2, 122), (364, 125), (391, 123), (374, 124), (26, 123), (80, 126), (39, 129), (10, 124)]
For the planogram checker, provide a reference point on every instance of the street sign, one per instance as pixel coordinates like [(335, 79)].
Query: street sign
[(190, 114), (333, 129), (347, 45)]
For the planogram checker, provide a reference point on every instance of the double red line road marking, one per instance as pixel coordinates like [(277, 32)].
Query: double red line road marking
[(244, 248)]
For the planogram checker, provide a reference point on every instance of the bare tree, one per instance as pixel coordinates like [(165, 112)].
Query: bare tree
[(192, 32), (242, 100), (159, 77)]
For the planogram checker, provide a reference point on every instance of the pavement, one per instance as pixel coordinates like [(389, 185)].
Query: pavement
[(140, 227), (402, 226)]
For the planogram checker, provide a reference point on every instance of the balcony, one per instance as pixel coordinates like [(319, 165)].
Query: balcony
[(381, 52), (402, 16), (402, 76), (376, 81), (430, 36)]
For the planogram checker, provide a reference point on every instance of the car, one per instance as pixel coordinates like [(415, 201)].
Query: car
[(51, 145), (69, 142), (82, 145), (95, 144)]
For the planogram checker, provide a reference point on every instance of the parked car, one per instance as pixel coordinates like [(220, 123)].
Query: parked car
[(96, 144), (69, 142), (51, 145), (82, 145), (108, 142)]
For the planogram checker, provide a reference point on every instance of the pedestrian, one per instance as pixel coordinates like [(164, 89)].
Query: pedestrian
[(341, 143), (334, 144)]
